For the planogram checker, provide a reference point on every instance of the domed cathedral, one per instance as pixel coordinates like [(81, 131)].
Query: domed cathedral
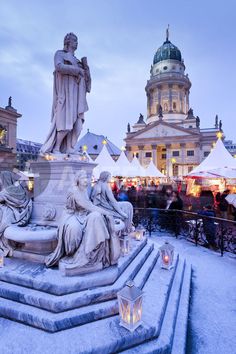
[(170, 135), (168, 87)]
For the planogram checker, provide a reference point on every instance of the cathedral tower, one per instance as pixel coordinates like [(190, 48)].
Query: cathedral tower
[(168, 87)]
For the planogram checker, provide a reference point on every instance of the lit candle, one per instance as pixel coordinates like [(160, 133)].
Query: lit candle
[(138, 235), (166, 259)]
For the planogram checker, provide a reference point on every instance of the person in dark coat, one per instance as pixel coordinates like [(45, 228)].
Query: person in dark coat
[(209, 226), (223, 205), (175, 217), (177, 202)]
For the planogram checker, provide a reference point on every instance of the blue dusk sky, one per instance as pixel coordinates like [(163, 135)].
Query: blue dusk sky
[(119, 39)]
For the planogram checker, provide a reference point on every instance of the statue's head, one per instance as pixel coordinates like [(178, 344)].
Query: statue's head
[(81, 178), (70, 39), (104, 176)]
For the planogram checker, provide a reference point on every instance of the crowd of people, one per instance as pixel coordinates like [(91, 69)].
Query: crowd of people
[(167, 198)]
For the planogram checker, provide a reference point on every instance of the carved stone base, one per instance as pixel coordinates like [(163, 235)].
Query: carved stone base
[(53, 180), (79, 271)]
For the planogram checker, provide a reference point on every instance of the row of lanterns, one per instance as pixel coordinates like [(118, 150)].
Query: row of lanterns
[(130, 298)]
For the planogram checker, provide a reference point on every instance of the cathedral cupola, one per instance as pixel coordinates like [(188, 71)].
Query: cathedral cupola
[(168, 85)]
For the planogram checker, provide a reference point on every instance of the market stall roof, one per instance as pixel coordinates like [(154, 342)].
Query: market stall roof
[(219, 158), (104, 162), (137, 170), (122, 166), (152, 171)]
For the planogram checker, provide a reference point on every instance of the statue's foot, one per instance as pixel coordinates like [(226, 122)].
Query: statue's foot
[(72, 152), (56, 152)]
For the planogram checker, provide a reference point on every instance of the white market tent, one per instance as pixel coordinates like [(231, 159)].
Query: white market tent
[(219, 163), (104, 162), (122, 166), (137, 169), (152, 171)]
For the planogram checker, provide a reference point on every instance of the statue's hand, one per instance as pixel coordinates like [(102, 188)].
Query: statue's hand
[(125, 216), (81, 72)]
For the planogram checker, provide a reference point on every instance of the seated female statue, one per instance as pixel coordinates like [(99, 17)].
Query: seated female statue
[(86, 236), (15, 207), (103, 197)]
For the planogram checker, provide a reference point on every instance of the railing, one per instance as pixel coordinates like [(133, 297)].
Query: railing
[(216, 233)]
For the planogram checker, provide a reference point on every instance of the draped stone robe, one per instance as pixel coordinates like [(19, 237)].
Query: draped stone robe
[(15, 208), (85, 236), (69, 100), (103, 197)]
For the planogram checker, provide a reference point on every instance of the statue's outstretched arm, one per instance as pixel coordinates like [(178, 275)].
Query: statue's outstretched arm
[(88, 205), (113, 202)]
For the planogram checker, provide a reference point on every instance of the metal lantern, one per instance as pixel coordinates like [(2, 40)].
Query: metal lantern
[(124, 244), (130, 306), (139, 233), (1, 259), (167, 255)]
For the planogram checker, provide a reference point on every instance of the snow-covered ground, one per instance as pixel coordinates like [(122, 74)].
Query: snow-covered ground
[(212, 322)]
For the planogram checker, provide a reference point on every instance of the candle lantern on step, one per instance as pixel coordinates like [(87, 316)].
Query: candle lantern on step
[(1, 259), (167, 255), (139, 233), (124, 244), (130, 306)]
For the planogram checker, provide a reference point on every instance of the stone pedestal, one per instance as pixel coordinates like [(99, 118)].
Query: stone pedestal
[(53, 180)]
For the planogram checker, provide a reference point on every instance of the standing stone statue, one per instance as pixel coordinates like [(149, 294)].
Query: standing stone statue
[(220, 125), (216, 121), (71, 83), (197, 122), (160, 112)]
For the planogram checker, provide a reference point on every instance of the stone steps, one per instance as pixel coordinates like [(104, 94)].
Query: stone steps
[(55, 303), (22, 304), (38, 277), (95, 328)]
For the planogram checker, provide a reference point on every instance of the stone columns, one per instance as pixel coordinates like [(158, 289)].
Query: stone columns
[(129, 153), (159, 95), (197, 152), (169, 170), (170, 98), (181, 101), (140, 153), (187, 101), (182, 156), (154, 154)]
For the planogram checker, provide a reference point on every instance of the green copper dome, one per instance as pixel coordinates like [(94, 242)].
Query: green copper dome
[(167, 51)]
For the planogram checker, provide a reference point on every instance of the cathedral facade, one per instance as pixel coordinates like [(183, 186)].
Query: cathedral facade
[(171, 134)]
